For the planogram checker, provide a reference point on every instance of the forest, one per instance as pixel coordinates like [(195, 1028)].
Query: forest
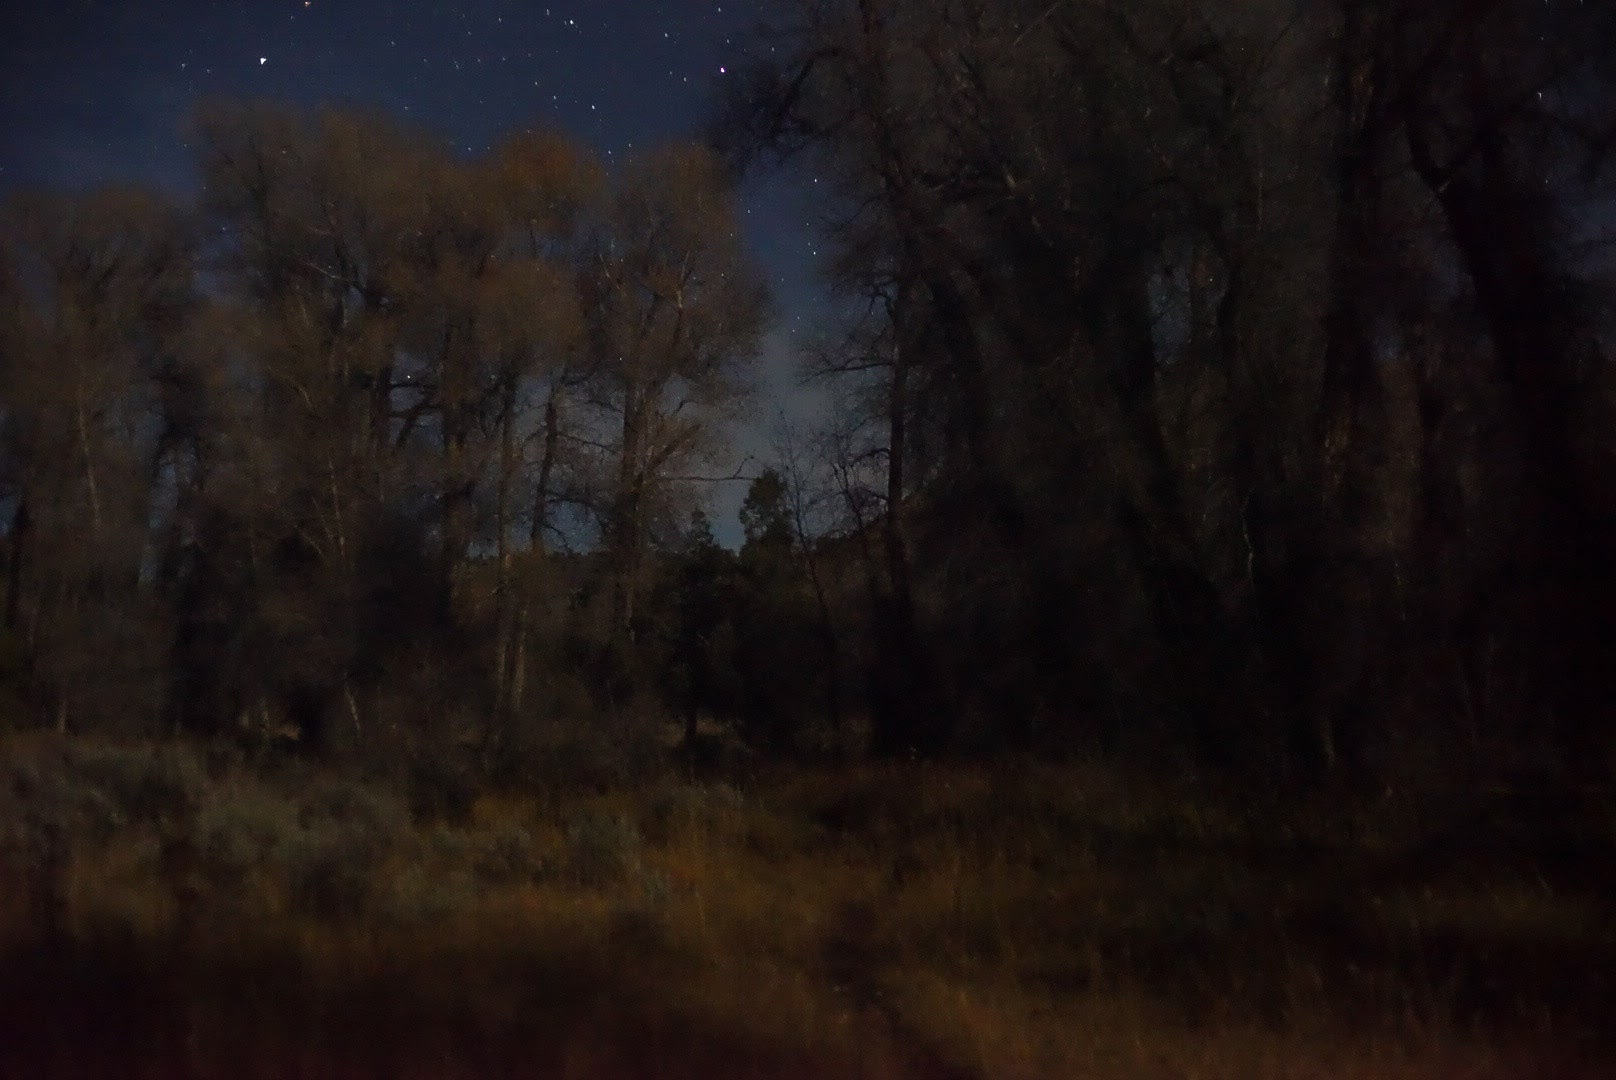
[(1207, 544)]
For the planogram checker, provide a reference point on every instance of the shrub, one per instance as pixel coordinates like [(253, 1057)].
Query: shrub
[(347, 830), (159, 785), (54, 808), (687, 808), (428, 894), (655, 887), (602, 849), (331, 868), (445, 842), (442, 789), (242, 829), (348, 803), (504, 855)]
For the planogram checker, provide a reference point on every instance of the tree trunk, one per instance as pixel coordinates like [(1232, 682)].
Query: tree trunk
[(541, 498), (1543, 346), (18, 536), (627, 521)]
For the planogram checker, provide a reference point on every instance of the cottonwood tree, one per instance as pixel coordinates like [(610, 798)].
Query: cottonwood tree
[(97, 289), (1155, 292), (315, 215), (401, 305), (674, 312), (1505, 114), (520, 313)]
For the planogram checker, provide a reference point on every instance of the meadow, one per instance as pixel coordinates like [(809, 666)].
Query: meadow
[(170, 912)]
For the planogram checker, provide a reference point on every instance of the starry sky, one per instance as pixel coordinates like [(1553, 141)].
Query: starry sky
[(96, 92)]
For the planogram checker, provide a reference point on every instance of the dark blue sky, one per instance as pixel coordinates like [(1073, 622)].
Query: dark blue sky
[(98, 92)]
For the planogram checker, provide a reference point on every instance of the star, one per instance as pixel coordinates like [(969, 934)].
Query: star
[(262, 60)]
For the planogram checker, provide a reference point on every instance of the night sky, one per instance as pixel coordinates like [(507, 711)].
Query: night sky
[(98, 92)]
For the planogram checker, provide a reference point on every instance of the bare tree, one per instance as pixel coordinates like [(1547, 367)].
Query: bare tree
[(98, 289), (674, 313)]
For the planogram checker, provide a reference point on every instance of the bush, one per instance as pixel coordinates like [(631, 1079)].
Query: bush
[(504, 856), (602, 849), (687, 808), (160, 785), (617, 748), (331, 870), (348, 832), (348, 803), (52, 808), (655, 887), (427, 894), (445, 842), (243, 829), (442, 789)]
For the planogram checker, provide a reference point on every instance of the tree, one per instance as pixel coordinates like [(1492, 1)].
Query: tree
[(766, 519), (97, 290), (1150, 335), (674, 313), (317, 213), (409, 310), (703, 601)]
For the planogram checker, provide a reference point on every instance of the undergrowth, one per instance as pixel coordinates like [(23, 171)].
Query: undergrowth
[(883, 921)]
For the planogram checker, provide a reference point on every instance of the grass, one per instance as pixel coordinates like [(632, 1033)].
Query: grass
[(1019, 920)]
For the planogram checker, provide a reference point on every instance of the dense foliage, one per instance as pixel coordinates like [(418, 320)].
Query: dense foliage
[(1232, 378), (294, 461), (1221, 382)]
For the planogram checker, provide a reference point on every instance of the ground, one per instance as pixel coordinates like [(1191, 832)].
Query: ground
[(167, 915)]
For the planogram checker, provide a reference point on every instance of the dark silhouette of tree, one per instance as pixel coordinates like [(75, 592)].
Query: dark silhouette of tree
[(673, 313), (703, 598), (766, 519), (1217, 382), (98, 290), (1186, 328)]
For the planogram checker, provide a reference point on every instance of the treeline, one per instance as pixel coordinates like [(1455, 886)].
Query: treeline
[(296, 460), (1234, 379), (1223, 383)]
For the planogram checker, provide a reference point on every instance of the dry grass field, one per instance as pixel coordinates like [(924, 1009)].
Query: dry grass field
[(162, 917)]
